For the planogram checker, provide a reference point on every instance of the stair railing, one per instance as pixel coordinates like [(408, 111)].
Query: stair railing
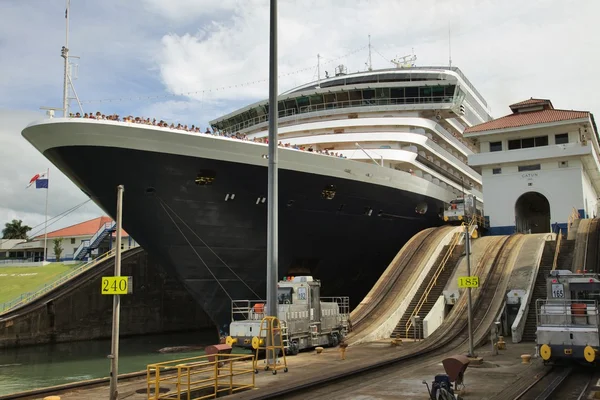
[(82, 247), (104, 229), (558, 240), (433, 281)]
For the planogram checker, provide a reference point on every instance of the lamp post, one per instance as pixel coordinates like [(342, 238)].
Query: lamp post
[(468, 253)]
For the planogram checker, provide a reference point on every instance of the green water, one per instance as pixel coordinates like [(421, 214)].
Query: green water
[(48, 365)]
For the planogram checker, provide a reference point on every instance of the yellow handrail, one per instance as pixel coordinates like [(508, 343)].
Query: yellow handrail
[(558, 240), (28, 297), (433, 281)]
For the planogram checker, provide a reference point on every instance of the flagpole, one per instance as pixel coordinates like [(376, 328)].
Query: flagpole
[(46, 222)]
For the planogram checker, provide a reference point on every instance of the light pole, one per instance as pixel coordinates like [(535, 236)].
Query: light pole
[(468, 253)]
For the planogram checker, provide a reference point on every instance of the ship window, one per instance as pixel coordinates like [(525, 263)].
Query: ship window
[(328, 193), (205, 178), (496, 171), (495, 146), (561, 138)]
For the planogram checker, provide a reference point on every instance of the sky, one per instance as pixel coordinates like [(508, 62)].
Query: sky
[(191, 61)]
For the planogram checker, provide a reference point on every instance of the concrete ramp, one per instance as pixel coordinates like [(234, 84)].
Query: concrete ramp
[(391, 305)]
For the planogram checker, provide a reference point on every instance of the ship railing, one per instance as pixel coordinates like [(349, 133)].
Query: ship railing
[(566, 312), (339, 104)]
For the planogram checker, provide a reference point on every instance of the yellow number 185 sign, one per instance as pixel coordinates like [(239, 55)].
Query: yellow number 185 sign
[(116, 285), (468, 282)]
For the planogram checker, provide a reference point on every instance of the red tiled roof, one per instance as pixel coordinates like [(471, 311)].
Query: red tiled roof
[(87, 228), (528, 118), (531, 102)]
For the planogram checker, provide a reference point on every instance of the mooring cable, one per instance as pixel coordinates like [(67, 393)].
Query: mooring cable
[(208, 247)]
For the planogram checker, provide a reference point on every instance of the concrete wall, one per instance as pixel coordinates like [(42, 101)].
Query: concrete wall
[(434, 319), (590, 197), (158, 304)]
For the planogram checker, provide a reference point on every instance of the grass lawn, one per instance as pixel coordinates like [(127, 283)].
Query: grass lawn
[(15, 281)]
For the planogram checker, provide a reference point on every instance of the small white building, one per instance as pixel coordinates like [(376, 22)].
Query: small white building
[(538, 165), (79, 241)]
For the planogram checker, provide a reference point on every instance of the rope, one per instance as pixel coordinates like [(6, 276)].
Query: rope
[(209, 248), (62, 215), (194, 250)]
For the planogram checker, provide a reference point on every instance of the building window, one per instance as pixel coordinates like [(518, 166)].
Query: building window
[(72, 240), (561, 138), (495, 146), (563, 164), (533, 167), (496, 171), (526, 143)]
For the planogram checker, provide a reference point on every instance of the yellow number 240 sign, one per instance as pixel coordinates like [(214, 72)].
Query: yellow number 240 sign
[(116, 285), (468, 282)]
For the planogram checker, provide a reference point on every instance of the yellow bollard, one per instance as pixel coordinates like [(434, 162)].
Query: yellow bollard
[(343, 350), (526, 358), (319, 350), (52, 398), (501, 343)]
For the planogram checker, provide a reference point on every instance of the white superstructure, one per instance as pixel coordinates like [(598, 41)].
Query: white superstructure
[(406, 119)]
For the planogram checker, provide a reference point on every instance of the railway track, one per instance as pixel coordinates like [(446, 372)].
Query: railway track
[(391, 281), (559, 383), (452, 335)]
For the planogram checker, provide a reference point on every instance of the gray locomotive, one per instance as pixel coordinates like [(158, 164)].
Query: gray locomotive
[(567, 320), (307, 320)]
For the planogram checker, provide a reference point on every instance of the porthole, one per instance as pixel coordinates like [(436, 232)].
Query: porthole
[(329, 192), (421, 208), (150, 191), (290, 203)]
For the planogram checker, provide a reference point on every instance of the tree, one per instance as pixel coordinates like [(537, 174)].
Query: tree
[(15, 230), (58, 249)]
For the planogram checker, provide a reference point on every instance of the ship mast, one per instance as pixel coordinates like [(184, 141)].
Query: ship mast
[(65, 55)]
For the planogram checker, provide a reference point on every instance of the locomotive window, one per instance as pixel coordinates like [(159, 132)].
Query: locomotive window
[(284, 295)]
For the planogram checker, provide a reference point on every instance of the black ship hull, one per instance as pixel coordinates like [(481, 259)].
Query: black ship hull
[(215, 243)]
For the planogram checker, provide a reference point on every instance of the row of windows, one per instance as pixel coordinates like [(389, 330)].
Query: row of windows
[(531, 167), (526, 143)]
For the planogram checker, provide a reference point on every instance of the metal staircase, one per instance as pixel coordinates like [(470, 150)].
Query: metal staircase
[(87, 246), (551, 259), (431, 288)]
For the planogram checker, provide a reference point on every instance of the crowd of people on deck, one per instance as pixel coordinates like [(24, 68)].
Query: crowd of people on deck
[(196, 129)]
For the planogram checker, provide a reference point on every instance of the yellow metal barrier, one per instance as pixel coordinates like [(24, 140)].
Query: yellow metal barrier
[(28, 297), (433, 281), (202, 377), (558, 240)]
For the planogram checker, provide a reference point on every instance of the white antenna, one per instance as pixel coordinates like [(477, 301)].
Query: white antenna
[(449, 47), (65, 54), (67, 78), (318, 70), (370, 64)]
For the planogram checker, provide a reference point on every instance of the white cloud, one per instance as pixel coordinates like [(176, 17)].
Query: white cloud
[(21, 161), (510, 50)]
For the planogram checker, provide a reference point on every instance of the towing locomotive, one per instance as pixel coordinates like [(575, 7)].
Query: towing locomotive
[(567, 320), (307, 320)]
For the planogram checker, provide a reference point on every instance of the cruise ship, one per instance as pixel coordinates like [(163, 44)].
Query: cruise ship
[(366, 160)]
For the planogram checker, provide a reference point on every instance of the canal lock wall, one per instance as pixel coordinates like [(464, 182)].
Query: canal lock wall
[(78, 311)]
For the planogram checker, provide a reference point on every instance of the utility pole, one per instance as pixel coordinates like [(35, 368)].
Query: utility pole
[(114, 347), (468, 253), (272, 226)]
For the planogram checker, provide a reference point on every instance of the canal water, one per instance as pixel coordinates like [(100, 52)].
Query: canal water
[(33, 367)]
